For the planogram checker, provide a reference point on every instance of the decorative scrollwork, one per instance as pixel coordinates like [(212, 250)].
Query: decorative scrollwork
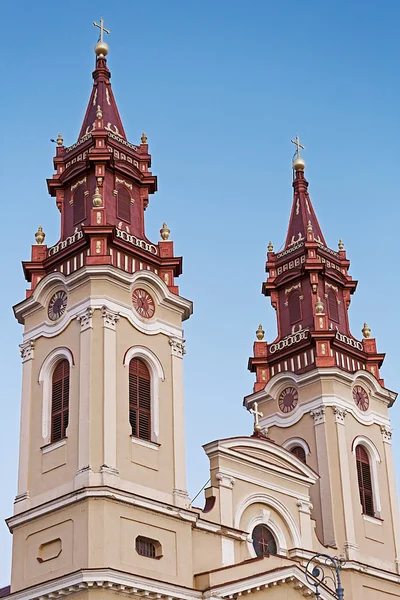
[(323, 571)]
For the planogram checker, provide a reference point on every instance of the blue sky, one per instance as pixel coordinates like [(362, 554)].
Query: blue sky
[(220, 87)]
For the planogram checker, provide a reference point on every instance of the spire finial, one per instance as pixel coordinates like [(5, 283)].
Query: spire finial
[(298, 163), (144, 138), (101, 48), (260, 333), (309, 227), (40, 235), (341, 245), (366, 331), (164, 231)]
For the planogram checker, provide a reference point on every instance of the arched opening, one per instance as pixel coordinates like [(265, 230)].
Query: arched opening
[(60, 401), (79, 205), (365, 481), (294, 307), (333, 306), (264, 542), (299, 452), (140, 399), (123, 204)]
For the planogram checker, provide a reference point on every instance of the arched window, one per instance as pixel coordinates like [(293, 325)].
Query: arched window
[(333, 307), (60, 401), (123, 204), (79, 205), (299, 452), (364, 481), (294, 307), (263, 541), (139, 399)]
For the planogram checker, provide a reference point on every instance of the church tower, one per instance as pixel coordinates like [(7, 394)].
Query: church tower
[(320, 390), (102, 392)]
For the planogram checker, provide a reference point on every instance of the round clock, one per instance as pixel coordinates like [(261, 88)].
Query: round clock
[(360, 397), (288, 399), (143, 303), (57, 305)]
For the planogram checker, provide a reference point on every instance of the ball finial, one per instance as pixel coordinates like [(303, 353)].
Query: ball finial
[(40, 235), (260, 333), (60, 140), (299, 163), (270, 247), (97, 199), (101, 49), (164, 232), (319, 307), (341, 245), (144, 138), (366, 331)]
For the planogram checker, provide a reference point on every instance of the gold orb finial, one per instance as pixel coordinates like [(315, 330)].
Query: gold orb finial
[(299, 163), (99, 112), (341, 245), (101, 49), (60, 140), (366, 331), (97, 199), (144, 138), (40, 235), (309, 227), (260, 333), (164, 231), (319, 306), (270, 247)]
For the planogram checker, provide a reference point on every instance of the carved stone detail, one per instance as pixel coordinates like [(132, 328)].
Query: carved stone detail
[(110, 318), (304, 506), (225, 481), (318, 415), (340, 414), (386, 434), (177, 347), (27, 350), (85, 319)]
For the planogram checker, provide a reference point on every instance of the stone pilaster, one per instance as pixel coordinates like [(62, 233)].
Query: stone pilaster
[(393, 500), (85, 348), (110, 319)]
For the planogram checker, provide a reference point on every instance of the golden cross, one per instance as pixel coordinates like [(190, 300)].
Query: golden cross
[(254, 411), (296, 142), (102, 28)]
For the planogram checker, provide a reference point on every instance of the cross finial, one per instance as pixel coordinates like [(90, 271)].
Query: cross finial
[(296, 142), (102, 28), (254, 411)]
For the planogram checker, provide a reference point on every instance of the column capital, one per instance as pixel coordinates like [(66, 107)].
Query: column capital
[(340, 414), (110, 318), (27, 350), (225, 481), (318, 415), (304, 506), (386, 432), (177, 347), (85, 319)]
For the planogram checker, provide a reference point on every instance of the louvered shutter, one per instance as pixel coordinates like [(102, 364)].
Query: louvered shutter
[(79, 205), (294, 307), (333, 307), (123, 204), (60, 401), (364, 481), (139, 399), (299, 452)]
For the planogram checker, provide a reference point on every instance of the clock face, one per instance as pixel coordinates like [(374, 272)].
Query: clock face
[(143, 303), (57, 305), (288, 399), (360, 397)]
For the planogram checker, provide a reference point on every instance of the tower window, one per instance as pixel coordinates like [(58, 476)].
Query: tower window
[(299, 452), (333, 307), (364, 481), (147, 547), (294, 307), (60, 401), (263, 541), (139, 399), (79, 205), (124, 204)]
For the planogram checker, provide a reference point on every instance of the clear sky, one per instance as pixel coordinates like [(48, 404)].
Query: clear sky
[(220, 87)]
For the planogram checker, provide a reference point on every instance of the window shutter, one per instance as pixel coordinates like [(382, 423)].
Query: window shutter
[(124, 204), (333, 307), (294, 307), (60, 401), (299, 452), (139, 399), (364, 481), (79, 205)]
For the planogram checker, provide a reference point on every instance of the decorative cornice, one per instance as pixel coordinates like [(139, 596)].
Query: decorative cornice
[(110, 318), (27, 350), (85, 318), (177, 347), (225, 481), (386, 434), (318, 415), (340, 414)]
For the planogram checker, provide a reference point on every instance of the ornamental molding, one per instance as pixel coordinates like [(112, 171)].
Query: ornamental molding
[(123, 182), (386, 434), (340, 414), (77, 184), (77, 235), (85, 318), (288, 341), (318, 415), (304, 506), (27, 350), (297, 286), (110, 317), (225, 481), (132, 239), (177, 347)]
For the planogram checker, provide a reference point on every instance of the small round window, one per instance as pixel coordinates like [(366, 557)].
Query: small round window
[(263, 541)]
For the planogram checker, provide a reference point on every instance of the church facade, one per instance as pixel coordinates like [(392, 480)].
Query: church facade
[(102, 509)]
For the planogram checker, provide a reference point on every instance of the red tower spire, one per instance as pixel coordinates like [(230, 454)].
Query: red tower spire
[(310, 288), (102, 185)]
